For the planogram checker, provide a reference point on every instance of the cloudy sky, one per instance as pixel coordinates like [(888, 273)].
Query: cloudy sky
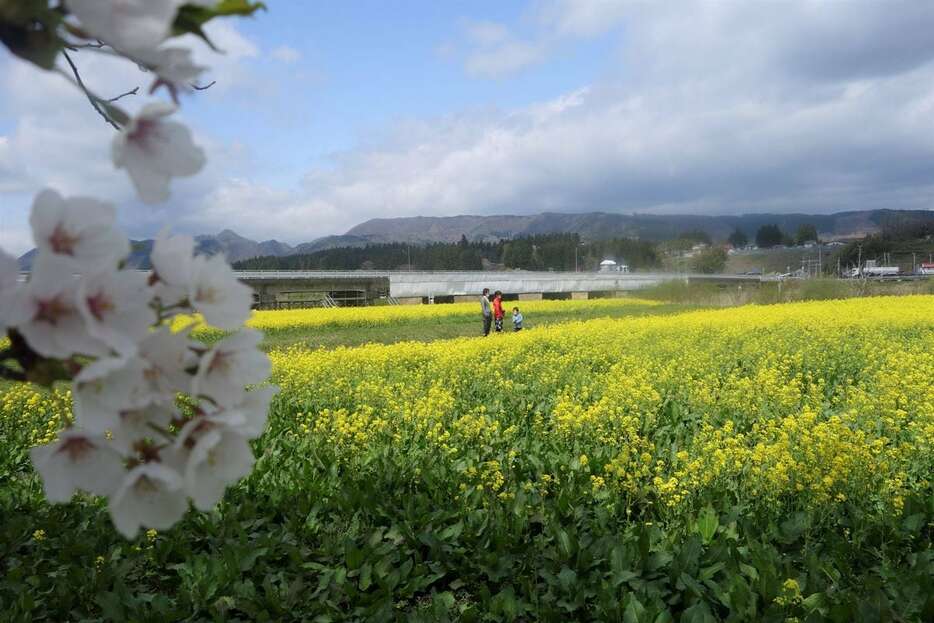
[(327, 114)]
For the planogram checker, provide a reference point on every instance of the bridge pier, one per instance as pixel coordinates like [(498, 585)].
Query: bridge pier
[(530, 296), (580, 296)]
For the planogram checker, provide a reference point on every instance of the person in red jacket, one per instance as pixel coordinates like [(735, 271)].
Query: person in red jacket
[(498, 312)]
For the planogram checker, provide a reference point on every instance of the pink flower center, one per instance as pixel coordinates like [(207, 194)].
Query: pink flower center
[(52, 310), (145, 485), (63, 242), (143, 134), (100, 305), (76, 448), (221, 362)]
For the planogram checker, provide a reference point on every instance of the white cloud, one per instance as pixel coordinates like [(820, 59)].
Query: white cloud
[(712, 107), (286, 54), (495, 52)]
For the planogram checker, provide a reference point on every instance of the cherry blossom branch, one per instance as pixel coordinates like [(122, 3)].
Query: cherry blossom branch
[(122, 95), (91, 97), (74, 47), (11, 375)]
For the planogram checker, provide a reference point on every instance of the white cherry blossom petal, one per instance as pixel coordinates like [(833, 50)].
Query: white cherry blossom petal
[(105, 388), (46, 313), (249, 416), (79, 228), (215, 292), (171, 259), (154, 150), (218, 457), (77, 460), (150, 496), (167, 358), (127, 25), (173, 67), (231, 364), (138, 425), (115, 307)]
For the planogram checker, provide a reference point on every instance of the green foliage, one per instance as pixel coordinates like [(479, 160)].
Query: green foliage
[(191, 18), (769, 236), (695, 236), (29, 28), (563, 252), (709, 261), (738, 238), (806, 233)]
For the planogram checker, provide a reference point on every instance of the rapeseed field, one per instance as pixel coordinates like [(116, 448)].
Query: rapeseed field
[(755, 463)]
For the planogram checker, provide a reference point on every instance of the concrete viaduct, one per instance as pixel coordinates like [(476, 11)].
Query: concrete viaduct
[(276, 289)]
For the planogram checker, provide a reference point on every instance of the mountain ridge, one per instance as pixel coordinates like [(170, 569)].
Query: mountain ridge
[(491, 228)]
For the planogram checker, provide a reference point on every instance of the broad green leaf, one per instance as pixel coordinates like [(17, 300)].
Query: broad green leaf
[(365, 574), (634, 610), (192, 18), (707, 524)]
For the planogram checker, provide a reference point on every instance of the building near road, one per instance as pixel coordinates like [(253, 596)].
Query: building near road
[(610, 266)]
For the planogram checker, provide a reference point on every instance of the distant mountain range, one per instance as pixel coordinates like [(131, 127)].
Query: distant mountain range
[(590, 225)]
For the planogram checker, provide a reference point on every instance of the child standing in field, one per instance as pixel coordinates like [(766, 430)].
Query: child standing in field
[(516, 319), (498, 312)]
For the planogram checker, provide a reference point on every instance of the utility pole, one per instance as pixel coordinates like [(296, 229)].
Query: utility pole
[(408, 248)]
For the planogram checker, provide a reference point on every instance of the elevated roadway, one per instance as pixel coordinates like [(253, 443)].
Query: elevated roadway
[(414, 286)]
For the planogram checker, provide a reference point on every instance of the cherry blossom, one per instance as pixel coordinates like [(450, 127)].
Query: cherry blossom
[(154, 150), (107, 326), (116, 308), (77, 460), (105, 388), (127, 25), (231, 364), (167, 358), (141, 424), (249, 416), (215, 292), (215, 457), (173, 67), (171, 262), (79, 228), (150, 495), (46, 314)]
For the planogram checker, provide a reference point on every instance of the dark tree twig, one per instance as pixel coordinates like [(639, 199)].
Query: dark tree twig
[(205, 87), (122, 95), (74, 47), (90, 96)]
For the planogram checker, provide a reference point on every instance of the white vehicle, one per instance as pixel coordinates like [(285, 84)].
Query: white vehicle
[(881, 271), (871, 269)]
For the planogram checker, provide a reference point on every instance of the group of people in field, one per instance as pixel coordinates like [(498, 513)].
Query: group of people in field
[(493, 314)]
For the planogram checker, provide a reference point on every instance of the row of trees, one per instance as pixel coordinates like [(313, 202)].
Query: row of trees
[(564, 252), (771, 235)]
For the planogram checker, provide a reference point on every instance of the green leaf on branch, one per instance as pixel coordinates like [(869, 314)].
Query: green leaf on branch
[(191, 18), (29, 28)]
